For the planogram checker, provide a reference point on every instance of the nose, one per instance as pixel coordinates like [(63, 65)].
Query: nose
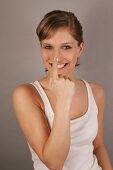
[(57, 55)]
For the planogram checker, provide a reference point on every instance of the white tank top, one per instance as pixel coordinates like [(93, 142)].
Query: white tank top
[(83, 132)]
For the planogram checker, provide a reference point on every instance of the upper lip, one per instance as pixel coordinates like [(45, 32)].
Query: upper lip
[(59, 63)]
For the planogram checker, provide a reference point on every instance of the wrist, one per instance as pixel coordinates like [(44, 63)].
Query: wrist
[(62, 108)]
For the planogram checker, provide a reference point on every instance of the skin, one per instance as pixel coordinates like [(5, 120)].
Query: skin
[(60, 48)]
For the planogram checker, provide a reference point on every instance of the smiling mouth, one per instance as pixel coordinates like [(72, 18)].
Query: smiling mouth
[(60, 66)]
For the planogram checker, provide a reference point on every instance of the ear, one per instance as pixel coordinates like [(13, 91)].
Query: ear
[(81, 47)]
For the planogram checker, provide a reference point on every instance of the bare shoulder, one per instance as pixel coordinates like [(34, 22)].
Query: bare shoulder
[(98, 93), (25, 92)]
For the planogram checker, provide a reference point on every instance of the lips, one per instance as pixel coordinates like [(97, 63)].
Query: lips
[(60, 65)]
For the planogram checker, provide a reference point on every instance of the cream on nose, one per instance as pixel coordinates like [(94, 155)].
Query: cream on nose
[(56, 58), (57, 55)]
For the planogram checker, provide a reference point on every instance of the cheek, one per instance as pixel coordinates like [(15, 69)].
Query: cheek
[(72, 56), (73, 59), (45, 55), (71, 53)]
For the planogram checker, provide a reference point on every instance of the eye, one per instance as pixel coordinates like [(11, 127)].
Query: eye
[(66, 47), (47, 47)]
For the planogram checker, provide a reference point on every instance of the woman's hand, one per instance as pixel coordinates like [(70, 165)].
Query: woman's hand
[(61, 87)]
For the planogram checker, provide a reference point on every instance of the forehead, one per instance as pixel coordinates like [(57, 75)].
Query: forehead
[(62, 35)]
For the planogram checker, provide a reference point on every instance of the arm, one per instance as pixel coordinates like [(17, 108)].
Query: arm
[(57, 146), (103, 158), (99, 147), (52, 147)]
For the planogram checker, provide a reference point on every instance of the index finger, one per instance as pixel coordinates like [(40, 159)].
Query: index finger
[(54, 73)]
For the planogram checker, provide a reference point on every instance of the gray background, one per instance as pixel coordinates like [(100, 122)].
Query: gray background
[(20, 62)]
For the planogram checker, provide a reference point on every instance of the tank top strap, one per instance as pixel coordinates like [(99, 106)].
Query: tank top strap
[(48, 110), (39, 89), (91, 95)]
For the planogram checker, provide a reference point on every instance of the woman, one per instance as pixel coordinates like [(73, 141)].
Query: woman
[(62, 116)]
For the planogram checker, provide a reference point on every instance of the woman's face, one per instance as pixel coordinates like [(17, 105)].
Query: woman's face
[(65, 48)]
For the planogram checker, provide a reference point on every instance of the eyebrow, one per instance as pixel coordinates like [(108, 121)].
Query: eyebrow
[(67, 43)]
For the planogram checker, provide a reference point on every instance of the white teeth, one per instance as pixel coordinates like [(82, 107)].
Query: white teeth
[(60, 65)]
